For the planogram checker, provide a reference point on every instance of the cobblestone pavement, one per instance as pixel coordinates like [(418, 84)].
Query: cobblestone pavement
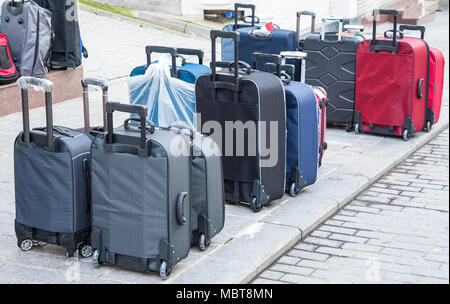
[(395, 232)]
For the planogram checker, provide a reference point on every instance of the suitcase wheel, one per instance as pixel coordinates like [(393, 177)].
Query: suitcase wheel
[(294, 190), (428, 126), (75, 254), (85, 251), (405, 135), (164, 271), (255, 205), (203, 243), (96, 259), (26, 245), (349, 128), (357, 128)]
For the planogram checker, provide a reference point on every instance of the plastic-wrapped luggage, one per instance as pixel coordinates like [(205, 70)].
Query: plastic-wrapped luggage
[(141, 195), (239, 100), (392, 83), (169, 100), (51, 174)]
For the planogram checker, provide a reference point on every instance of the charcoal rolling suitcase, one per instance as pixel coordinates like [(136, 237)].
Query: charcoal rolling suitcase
[(436, 78), (51, 168), (141, 195), (251, 103), (274, 42), (188, 72), (302, 126), (103, 85), (392, 83), (331, 65)]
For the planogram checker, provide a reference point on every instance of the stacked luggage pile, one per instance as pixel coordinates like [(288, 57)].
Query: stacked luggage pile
[(140, 195)]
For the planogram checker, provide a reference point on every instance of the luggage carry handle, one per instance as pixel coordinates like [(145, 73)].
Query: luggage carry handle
[(181, 199), (353, 27), (286, 70), (313, 21), (237, 6), (175, 53), (270, 58), (419, 28), (384, 45), (214, 84), (299, 56), (328, 19), (103, 85), (112, 107), (47, 86)]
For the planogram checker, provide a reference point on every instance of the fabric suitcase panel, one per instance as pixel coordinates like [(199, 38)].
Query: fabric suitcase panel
[(44, 189), (437, 75), (191, 71), (130, 195)]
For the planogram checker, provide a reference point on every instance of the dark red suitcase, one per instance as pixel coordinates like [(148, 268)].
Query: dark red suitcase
[(437, 73), (392, 77)]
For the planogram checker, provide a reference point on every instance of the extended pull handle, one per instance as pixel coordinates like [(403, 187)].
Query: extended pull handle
[(237, 6), (103, 85), (419, 28), (287, 71), (313, 21), (384, 45), (353, 28), (181, 201), (47, 86), (112, 107), (276, 59), (330, 19)]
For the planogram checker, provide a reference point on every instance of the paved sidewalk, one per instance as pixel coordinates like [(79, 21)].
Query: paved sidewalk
[(395, 232), (249, 242)]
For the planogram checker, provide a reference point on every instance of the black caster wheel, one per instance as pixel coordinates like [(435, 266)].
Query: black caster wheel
[(428, 127), (75, 255), (96, 259), (255, 206), (406, 135), (357, 129), (203, 243), (349, 128), (293, 190), (85, 251), (26, 245), (325, 146), (164, 271)]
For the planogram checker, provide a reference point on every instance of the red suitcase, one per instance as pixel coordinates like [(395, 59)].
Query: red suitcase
[(392, 79), (437, 73), (322, 100)]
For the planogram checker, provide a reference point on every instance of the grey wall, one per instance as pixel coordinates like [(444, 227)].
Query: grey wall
[(163, 6)]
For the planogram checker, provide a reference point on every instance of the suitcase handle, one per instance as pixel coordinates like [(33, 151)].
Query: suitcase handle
[(384, 45), (175, 53), (126, 124), (420, 88), (353, 27), (237, 6), (419, 28), (112, 107), (286, 70), (47, 86), (103, 85), (214, 84), (181, 199), (328, 19), (313, 21), (270, 58)]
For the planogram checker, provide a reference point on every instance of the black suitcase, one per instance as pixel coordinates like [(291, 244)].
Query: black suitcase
[(51, 174), (67, 49), (331, 65), (256, 101)]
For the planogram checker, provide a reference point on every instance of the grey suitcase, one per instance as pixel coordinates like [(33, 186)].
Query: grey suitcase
[(51, 167), (331, 65), (208, 197), (140, 195), (29, 30)]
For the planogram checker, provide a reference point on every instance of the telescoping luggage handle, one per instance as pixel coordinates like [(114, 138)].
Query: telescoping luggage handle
[(313, 21), (384, 45), (419, 28), (175, 53), (110, 146), (254, 19), (103, 84), (328, 19), (47, 86)]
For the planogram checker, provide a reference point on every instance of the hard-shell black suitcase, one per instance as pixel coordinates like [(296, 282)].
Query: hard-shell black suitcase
[(141, 195), (51, 171), (331, 65), (245, 113)]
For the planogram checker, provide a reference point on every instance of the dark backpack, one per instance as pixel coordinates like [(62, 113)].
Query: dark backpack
[(68, 49), (8, 72)]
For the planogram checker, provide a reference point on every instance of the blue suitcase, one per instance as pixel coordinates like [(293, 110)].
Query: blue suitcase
[(302, 125), (278, 41), (188, 72)]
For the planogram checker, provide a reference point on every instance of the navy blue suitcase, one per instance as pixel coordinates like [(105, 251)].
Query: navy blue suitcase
[(302, 125), (277, 41), (188, 72)]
